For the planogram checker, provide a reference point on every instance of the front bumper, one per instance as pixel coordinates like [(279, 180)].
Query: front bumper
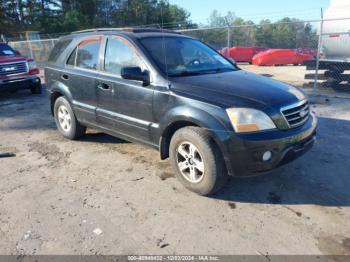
[(24, 82), (244, 156)]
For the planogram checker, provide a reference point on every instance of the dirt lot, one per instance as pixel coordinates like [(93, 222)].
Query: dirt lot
[(101, 195), (291, 74)]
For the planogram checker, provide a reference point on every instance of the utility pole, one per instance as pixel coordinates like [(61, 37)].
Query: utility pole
[(318, 53)]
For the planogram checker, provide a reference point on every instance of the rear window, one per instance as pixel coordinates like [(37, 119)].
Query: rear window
[(88, 53), (59, 47), (6, 50)]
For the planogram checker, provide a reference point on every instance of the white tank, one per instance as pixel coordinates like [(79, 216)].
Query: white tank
[(337, 46)]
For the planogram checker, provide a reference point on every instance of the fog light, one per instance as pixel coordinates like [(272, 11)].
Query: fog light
[(267, 156)]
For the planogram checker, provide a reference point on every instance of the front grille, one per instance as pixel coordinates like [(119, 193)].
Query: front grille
[(296, 114), (13, 68)]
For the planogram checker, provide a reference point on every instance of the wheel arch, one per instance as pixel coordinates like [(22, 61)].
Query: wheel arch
[(193, 117), (168, 134), (56, 91)]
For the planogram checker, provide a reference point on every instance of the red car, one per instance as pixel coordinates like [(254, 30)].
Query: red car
[(281, 57), (242, 54), (17, 72), (225, 52)]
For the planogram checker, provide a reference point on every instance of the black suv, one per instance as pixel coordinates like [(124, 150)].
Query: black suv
[(181, 97)]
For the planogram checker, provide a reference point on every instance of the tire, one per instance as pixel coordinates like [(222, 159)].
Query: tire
[(37, 89), (66, 121), (207, 159)]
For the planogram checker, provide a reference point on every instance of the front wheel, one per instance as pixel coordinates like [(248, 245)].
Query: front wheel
[(36, 88), (66, 121), (197, 161)]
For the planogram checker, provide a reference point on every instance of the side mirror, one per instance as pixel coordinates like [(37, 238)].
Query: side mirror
[(135, 73)]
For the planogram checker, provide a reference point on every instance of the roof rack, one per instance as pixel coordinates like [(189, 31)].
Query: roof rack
[(128, 29), (99, 30)]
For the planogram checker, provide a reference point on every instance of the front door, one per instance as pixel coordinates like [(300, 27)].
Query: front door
[(124, 105)]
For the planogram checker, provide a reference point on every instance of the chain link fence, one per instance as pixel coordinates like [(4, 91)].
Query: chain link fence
[(332, 67), (313, 53), (276, 50), (39, 50), (310, 54)]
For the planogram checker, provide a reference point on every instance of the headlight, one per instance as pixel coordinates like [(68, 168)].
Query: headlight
[(249, 120), (32, 65)]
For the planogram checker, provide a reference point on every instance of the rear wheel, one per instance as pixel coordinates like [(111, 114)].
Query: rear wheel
[(197, 161), (66, 121)]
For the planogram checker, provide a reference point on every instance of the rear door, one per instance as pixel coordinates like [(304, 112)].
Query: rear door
[(82, 77), (124, 105)]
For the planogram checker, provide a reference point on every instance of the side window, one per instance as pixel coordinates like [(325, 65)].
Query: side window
[(120, 54), (71, 59), (87, 54)]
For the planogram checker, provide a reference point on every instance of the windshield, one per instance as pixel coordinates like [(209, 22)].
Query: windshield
[(179, 56), (5, 50)]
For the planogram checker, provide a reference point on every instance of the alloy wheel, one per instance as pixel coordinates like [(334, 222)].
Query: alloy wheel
[(64, 118), (190, 162)]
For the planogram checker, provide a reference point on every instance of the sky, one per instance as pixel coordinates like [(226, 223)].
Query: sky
[(254, 10)]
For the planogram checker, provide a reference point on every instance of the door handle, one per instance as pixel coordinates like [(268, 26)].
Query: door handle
[(65, 77), (103, 86)]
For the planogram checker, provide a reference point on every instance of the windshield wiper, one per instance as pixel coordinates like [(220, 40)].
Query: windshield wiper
[(201, 72), (185, 73), (215, 70)]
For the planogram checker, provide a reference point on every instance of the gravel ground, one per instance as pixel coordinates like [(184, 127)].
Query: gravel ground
[(102, 195)]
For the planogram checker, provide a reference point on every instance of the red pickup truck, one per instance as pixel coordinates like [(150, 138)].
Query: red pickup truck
[(17, 72)]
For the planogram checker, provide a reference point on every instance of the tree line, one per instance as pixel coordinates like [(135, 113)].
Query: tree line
[(284, 33), (60, 16)]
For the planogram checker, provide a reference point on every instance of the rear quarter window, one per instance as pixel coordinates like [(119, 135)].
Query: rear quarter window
[(58, 49)]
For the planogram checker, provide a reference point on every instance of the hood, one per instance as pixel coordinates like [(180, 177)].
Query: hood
[(237, 89), (12, 58)]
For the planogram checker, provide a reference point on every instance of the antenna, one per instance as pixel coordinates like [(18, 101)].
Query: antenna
[(163, 42)]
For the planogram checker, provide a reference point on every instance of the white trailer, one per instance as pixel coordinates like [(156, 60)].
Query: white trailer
[(334, 47)]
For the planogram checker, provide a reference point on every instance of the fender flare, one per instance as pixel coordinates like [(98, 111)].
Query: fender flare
[(191, 116), (62, 90)]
